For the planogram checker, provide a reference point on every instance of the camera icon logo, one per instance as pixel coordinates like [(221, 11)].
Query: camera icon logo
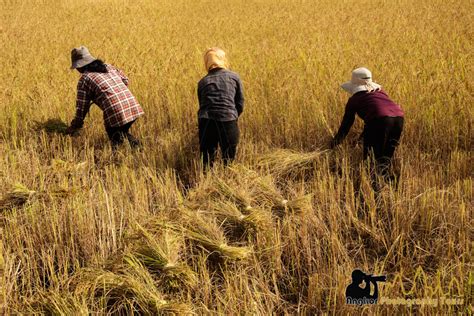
[(358, 295)]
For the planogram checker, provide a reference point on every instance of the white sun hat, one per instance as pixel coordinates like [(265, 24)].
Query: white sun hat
[(361, 81)]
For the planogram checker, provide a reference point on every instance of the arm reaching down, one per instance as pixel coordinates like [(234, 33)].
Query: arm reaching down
[(83, 104), (346, 124)]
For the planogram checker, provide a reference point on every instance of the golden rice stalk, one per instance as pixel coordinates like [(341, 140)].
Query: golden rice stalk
[(234, 185), (130, 290), (260, 219), (2, 265), (56, 302), (16, 198), (283, 163), (301, 204), (67, 167), (266, 192), (160, 253), (248, 222), (60, 192), (205, 233), (235, 194), (209, 236)]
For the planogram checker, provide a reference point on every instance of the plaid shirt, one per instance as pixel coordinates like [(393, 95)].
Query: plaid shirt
[(110, 92)]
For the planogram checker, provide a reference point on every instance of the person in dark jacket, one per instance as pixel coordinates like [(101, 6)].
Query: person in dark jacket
[(221, 102), (383, 119), (107, 87)]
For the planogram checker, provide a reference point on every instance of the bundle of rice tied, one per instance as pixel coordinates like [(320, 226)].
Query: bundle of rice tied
[(233, 193), (52, 126), (208, 235), (267, 193), (17, 197), (128, 291), (160, 254), (247, 223), (55, 302), (287, 163), (301, 204)]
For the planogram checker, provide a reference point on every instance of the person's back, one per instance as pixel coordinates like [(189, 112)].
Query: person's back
[(221, 102), (372, 105), (383, 120), (111, 94), (219, 95)]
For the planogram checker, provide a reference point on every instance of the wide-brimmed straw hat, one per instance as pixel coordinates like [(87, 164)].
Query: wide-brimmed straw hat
[(214, 57), (81, 57), (361, 81)]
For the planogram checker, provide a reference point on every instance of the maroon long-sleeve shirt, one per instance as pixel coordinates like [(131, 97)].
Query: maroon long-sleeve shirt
[(368, 106)]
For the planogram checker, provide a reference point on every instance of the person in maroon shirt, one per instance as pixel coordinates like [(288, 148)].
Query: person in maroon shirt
[(383, 119)]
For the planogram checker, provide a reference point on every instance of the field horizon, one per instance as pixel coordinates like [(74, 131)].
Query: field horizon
[(84, 230)]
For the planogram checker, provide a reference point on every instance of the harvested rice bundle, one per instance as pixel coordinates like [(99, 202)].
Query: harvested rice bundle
[(56, 302), (236, 194), (234, 185), (301, 204), (286, 163), (266, 192), (242, 175), (247, 223), (52, 126), (19, 196), (207, 234), (129, 291), (160, 253)]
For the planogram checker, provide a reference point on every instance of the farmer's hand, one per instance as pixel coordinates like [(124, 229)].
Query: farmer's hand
[(71, 130), (74, 127)]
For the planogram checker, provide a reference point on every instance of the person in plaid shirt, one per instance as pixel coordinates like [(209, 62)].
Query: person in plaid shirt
[(107, 87)]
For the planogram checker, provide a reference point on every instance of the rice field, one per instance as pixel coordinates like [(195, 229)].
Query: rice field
[(84, 230)]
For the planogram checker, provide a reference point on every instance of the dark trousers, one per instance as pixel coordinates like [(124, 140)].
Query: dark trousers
[(381, 138), (215, 133), (117, 135)]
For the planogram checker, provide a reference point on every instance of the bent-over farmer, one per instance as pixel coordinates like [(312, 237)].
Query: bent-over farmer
[(383, 119), (106, 86), (221, 102)]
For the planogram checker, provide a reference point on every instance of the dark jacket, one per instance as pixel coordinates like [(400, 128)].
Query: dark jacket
[(220, 95)]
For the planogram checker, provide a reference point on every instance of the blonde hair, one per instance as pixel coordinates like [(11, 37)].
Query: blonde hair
[(214, 57)]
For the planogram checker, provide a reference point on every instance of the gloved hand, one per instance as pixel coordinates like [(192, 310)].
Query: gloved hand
[(73, 131), (74, 128)]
